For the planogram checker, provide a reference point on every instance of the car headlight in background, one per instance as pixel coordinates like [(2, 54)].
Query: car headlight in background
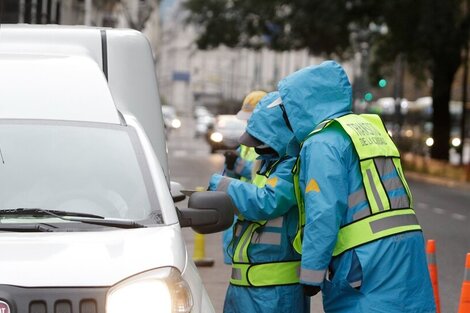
[(176, 123), (161, 290), (456, 142), (429, 142), (217, 137)]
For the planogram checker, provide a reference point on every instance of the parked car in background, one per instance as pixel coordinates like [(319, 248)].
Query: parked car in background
[(87, 219), (200, 110), (170, 118), (226, 132), (204, 121)]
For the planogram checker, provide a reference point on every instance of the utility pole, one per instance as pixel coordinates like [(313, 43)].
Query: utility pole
[(464, 102), (88, 8), (398, 92), (464, 90)]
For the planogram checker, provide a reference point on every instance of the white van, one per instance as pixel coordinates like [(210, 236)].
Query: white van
[(87, 221)]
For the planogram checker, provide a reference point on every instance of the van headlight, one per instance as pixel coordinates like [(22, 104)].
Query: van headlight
[(160, 290)]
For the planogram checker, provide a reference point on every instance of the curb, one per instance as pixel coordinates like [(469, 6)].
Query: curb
[(441, 181)]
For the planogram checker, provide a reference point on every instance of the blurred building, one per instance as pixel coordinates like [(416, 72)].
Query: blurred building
[(142, 15), (218, 78)]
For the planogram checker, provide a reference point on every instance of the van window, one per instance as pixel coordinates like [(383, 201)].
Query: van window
[(71, 166)]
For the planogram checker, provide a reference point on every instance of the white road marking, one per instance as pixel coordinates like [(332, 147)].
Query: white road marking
[(439, 210), (179, 153), (458, 217), (422, 205)]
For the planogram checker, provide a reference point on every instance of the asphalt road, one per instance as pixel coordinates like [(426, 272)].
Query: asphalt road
[(443, 212)]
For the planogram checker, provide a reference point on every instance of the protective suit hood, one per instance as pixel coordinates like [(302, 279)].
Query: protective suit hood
[(267, 125), (314, 94)]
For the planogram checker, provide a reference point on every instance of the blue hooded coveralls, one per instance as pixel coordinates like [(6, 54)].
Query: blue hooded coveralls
[(274, 202), (389, 275)]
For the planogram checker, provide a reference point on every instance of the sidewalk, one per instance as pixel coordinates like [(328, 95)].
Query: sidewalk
[(441, 181)]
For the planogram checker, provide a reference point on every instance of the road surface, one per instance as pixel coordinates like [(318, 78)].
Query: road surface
[(443, 212)]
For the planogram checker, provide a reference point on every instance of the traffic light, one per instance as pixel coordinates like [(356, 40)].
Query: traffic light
[(368, 96), (382, 83)]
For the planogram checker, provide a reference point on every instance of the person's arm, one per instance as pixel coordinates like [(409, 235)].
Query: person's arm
[(324, 177), (243, 168), (254, 203)]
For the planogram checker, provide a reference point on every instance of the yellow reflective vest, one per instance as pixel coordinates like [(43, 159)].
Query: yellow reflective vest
[(376, 153), (245, 273)]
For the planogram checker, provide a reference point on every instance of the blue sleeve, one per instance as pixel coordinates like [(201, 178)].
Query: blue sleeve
[(270, 201), (324, 186)]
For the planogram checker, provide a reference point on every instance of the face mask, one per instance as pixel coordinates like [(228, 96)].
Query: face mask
[(265, 150)]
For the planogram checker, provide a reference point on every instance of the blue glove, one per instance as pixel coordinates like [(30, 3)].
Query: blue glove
[(218, 179), (214, 182)]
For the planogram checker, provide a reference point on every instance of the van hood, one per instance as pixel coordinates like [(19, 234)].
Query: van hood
[(87, 258)]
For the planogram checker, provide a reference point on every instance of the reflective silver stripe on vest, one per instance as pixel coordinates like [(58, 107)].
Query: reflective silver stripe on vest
[(236, 273), (321, 125), (374, 190), (392, 222), (238, 230), (223, 184), (400, 202), (240, 166), (246, 241), (392, 183), (356, 197), (312, 276), (384, 165), (361, 214), (277, 222), (268, 238), (356, 284)]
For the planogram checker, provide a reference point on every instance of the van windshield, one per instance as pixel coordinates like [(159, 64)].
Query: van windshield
[(75, 167)]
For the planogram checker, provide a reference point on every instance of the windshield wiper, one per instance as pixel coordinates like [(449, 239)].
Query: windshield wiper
[(108, 222), (87, 218), (28, 228), (42, 212)]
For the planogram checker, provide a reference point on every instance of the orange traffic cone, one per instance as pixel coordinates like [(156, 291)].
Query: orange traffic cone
[(464, 306), (432, 266)]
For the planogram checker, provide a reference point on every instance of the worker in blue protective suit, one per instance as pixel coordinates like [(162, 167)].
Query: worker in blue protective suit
[(240, 164), (265, 265), (385, 270)]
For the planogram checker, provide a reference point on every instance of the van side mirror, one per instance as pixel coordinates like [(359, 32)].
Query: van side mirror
[(208, 212), (176, 194)]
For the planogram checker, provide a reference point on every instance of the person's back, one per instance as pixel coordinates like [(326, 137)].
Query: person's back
[(361, 242)]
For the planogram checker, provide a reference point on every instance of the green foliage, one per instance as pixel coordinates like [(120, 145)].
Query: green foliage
[(277, 24), (427, 34)]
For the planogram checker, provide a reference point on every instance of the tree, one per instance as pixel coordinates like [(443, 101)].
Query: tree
[(429, 34)]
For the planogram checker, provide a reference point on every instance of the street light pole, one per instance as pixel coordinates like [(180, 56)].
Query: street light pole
[(464, 102), (464, 90)]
